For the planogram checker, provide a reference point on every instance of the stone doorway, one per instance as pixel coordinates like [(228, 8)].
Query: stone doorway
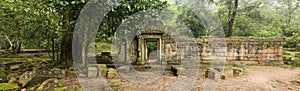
[(152, 50)]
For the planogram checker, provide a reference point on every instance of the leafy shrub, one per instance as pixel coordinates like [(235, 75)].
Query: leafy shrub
[(265, 33)]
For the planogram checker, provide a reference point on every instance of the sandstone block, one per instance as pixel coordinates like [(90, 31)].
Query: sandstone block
[(237, 71), (92, 72)]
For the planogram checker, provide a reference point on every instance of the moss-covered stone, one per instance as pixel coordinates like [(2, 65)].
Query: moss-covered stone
[(102, 70), (92, 72), (111, 73), (9, 86), (31, 78), (237, 71), (114, 84)]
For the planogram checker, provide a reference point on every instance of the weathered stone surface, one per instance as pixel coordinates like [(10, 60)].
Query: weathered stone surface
[(92, 72), (102, 70), (237, 71), (82, 75), (30, 78), (211, 73), (9, 87), (237, 49), (13, 80), (111, 73), (124, 69)]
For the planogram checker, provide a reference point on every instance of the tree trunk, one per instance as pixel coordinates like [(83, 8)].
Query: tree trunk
[(66, 49), (66, 42), (17, 46), (231, 20), (10, 44)]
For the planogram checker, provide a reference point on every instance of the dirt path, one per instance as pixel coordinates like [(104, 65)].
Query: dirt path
[(257, 78), (262, 79)]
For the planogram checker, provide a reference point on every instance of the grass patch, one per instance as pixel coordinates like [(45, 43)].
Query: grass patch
[(102, 47), (24, 59)]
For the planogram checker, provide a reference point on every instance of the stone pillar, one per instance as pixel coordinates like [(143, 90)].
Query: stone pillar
[(140, 49), (159, 43)]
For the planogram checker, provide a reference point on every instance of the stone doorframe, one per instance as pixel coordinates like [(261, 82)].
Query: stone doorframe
[(142, 45)]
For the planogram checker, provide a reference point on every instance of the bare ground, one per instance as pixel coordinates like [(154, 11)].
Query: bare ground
[(257, 78)]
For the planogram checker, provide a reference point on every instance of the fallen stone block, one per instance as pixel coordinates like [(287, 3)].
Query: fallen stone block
[(124, 69), (237, 71), (111, 73), (210, 73), (82, 75), (31, 78)]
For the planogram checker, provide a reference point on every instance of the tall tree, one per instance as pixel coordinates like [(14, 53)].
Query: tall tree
[(231, 16)]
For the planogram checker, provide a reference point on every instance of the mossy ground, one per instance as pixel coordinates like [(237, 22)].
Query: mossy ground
[(105, 47), (8, 86)]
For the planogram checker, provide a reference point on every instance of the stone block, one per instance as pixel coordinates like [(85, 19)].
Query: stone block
[(124, 69), (111, 73), (92, 72), (102, 69), (237, 71), (82, 75), (31, 78), (210, 73), (114, 83)]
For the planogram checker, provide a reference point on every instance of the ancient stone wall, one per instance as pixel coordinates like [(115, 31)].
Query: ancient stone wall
[(237, 49), (245, 49)]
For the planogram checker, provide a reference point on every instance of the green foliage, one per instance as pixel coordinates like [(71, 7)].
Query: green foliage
[(193, 22), (296, 63), (262, 18), (114, 18), (265, 33), (102, 47), (291, 42), (152, 46)]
